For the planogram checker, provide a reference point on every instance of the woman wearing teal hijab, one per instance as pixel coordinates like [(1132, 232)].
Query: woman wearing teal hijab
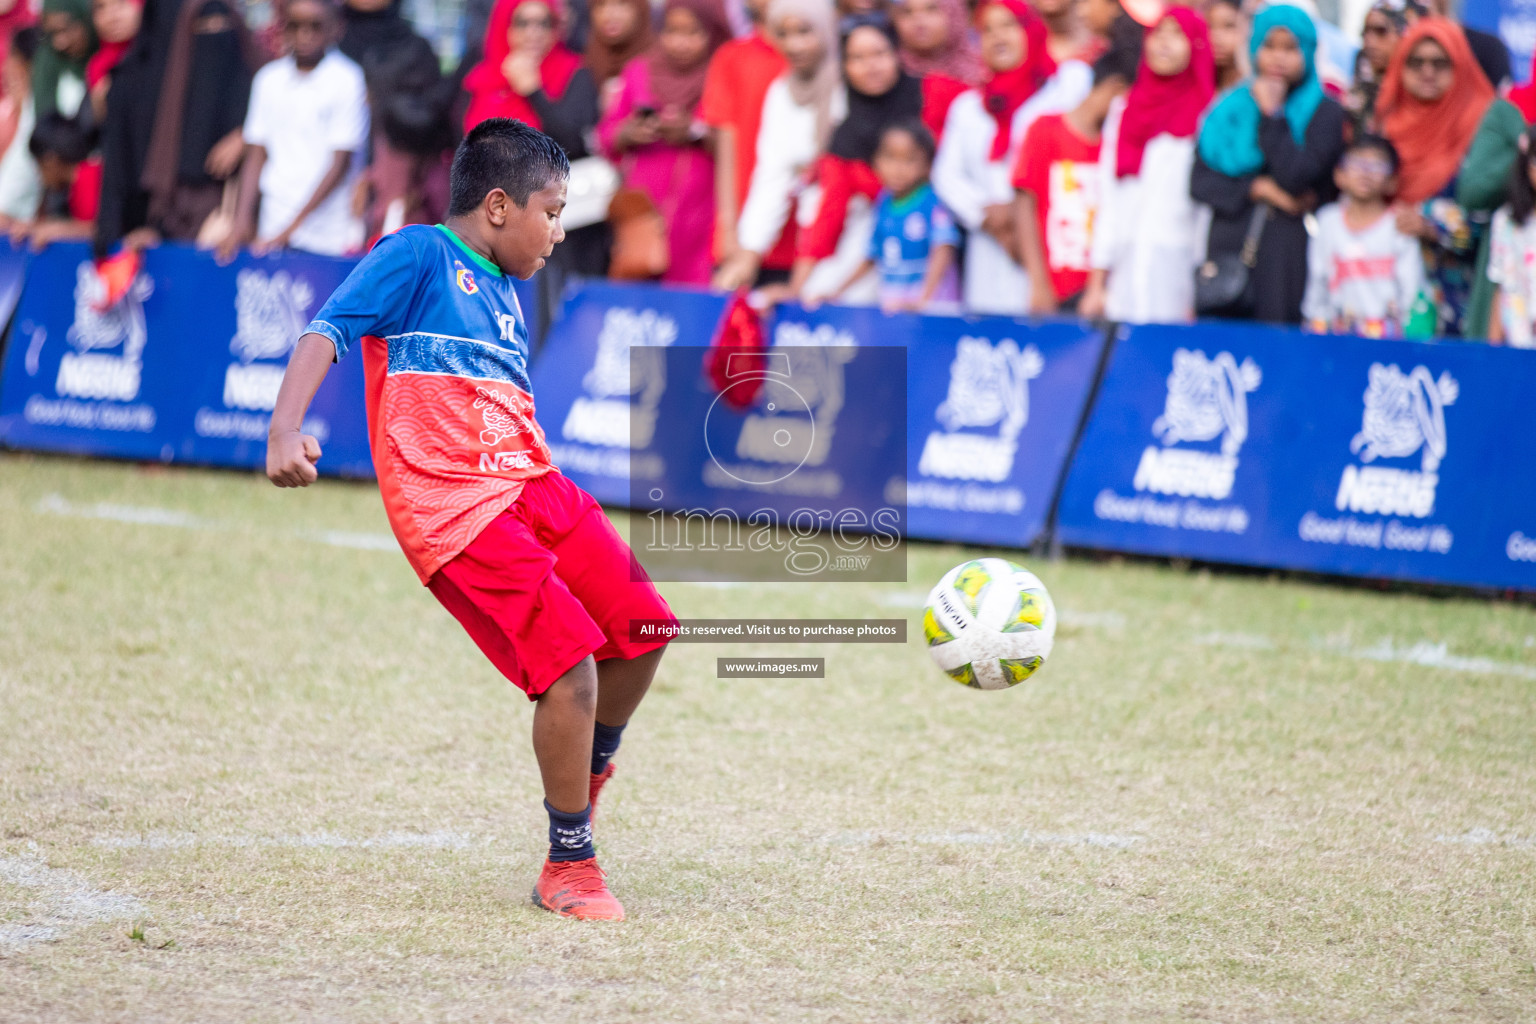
[(68, 40), (1273, 139)]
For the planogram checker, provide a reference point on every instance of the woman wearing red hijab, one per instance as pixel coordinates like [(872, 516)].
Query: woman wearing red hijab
[(982, 135), (1144, 241), (529, 74)]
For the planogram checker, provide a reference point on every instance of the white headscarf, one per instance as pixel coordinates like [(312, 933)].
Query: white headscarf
[(817, 89)]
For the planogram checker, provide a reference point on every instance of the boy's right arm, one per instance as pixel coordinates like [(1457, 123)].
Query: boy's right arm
[(291, 453)]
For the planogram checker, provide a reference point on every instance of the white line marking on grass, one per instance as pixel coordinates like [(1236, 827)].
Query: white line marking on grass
[(150, 515), (67, 902), (440, 840), (1439, 656), (1487, 837), (1424, 654), (1109, 840)]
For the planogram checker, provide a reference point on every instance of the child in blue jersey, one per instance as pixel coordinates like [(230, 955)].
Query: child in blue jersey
[(915, 240), (522, 557)]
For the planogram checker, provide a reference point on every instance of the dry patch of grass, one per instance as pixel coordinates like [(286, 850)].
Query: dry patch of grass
[(302, 794)]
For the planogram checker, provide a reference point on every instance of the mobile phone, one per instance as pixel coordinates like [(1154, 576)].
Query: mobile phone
[(645, 111)]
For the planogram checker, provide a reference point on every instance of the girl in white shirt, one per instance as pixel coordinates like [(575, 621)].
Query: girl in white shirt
[(1145, 237), (802, 107), (982, 135)]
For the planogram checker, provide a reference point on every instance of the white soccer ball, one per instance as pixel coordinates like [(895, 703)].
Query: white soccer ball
[(989, 623)]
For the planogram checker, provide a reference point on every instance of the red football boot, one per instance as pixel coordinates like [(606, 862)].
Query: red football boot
[(596, 787), (575, 888)]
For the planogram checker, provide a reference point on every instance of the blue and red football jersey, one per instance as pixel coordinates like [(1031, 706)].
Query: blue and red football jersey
[(450, 407)]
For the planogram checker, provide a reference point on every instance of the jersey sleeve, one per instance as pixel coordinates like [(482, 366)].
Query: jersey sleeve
[(373, 299), (943, 230)]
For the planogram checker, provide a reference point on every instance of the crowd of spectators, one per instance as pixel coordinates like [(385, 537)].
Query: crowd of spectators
[(1143, 163)]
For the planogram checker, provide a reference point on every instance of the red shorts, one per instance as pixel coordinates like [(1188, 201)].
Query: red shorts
[(547, 583)]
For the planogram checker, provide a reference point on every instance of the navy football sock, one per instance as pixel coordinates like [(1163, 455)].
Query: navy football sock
[(605, 743), (570, 835)]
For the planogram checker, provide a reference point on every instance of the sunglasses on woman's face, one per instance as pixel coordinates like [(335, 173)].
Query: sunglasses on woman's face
[(530, 21), (1438, 65)]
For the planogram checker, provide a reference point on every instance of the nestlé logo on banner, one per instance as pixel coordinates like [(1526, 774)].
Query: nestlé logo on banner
[(1404, 417), (801, 392), (271, 312), (94, 384), (623, 391), (1206, 405), (985, 408), (89, 372)]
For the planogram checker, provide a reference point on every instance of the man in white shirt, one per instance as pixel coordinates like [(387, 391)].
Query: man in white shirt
[(305, 131)]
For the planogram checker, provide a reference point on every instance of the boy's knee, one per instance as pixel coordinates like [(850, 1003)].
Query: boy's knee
[(578, 686)]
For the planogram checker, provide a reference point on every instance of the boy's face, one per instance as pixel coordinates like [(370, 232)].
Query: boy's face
[(900, 163), (523, 237), (55, 173), (117, 21), (308, 31), (1365, 175)]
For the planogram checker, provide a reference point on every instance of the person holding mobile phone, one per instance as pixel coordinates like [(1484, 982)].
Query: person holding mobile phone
[(654, 130)]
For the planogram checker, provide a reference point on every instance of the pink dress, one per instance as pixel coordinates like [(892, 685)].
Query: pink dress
[(679, 179)]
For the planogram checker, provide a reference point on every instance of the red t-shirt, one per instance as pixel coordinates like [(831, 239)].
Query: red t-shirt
[(739, 76), (1061, 168), (85, 193)]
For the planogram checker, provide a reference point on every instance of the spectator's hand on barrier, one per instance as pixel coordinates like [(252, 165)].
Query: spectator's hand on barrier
[(276, 243), (140, 239), (738, 271), (773, 294), (1095, 298), (1042, 298), (225, 251), (291, 458), (20, 231), (225, 156)]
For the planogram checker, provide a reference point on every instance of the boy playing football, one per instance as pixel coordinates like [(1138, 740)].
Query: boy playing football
[(522, 557)]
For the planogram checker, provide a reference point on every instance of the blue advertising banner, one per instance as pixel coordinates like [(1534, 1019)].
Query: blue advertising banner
[(992, 407), (185, 367), (13, 274), (1264, 446), (599, 419), (1513, 21)]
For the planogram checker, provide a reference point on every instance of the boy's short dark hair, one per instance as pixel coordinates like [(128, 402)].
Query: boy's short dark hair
[(24, 42), (1377, 144), (506, 154), (60, 136), (921, 136)]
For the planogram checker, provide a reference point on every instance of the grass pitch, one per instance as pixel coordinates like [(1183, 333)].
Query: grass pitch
[(249, 770)]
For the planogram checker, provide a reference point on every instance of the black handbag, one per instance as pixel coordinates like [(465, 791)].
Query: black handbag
[(1221, 282)]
